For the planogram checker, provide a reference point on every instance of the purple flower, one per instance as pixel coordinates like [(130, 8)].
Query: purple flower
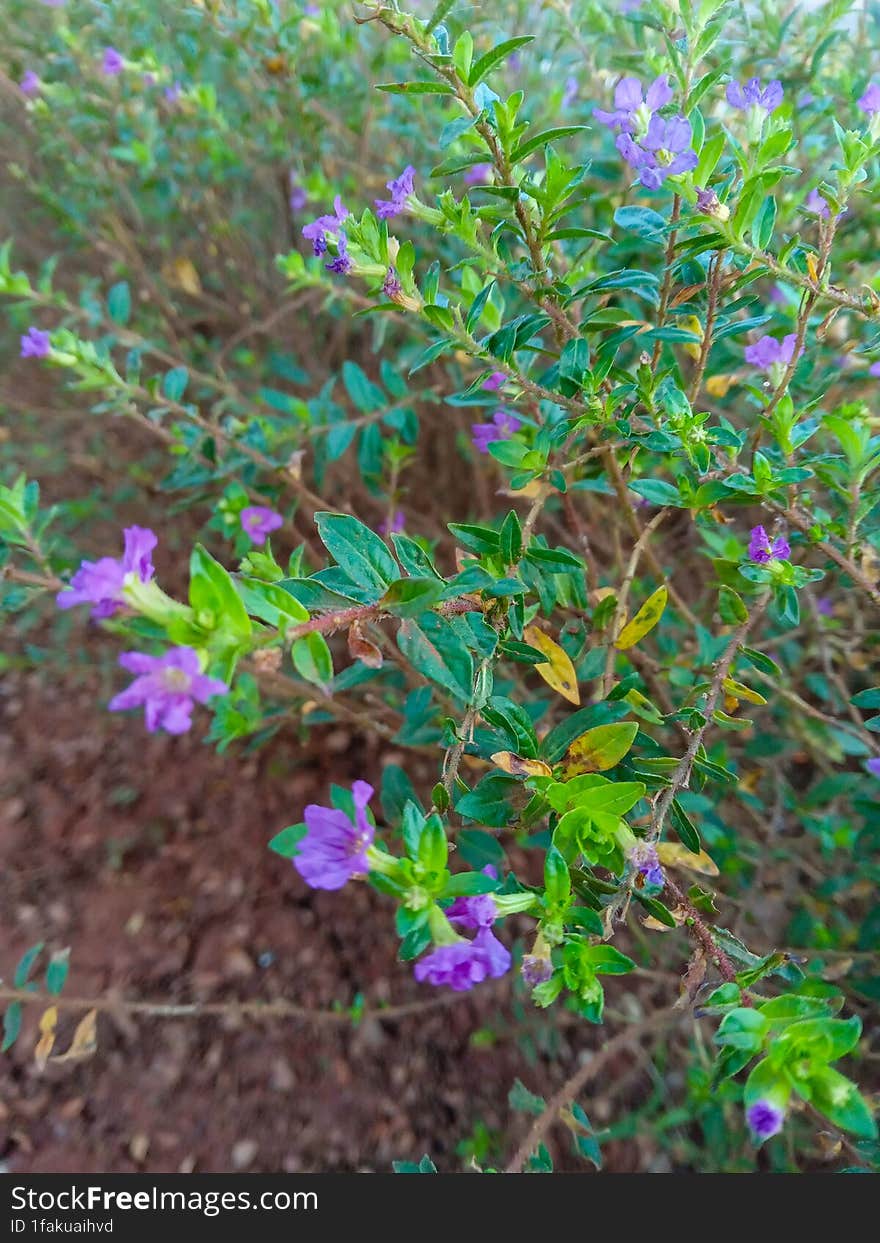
[(335, 847), (258, 521), (764, 1119), (113, 62), (873, 765), (495, 381), (149, 79), (767, 352), (751, 95), (465, 963), (35, 344), (166, 687), (316, 231), (643, 858), (632, 108), (761, 550), (395, 526), (173, 92), (342, 262), (664, 151), (709, 204), (816, 204), (870, 101), (298, 195), (400, 187), (502, 427), (54, 4), (478, 175), (569, 95), (30, 84), (535, 970), (824, 606), (874, 369), (100, 583), (391, 286)]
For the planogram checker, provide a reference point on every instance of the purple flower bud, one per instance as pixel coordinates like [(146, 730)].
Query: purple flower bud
[(535, 970), (35, 344), (643, 858), (173, 92), (258, 521), (100, 583), (761, 550), (30, 84), (502, 427), (166, 687), (298, 195), (335, 847), (395, 526), (874, 369), (113, 62), (341, 264), (870, 101), (764, 1119), (873, 765), (400, 188), (569, 95), (391, 286), (495, 381)]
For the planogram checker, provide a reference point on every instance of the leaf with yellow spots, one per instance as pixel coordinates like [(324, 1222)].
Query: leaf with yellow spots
[(600, 748), (738, 690), (717, 385), (673, 854), (47, 1037), (518, 766), (558, 672), (85, 1040), (646, 619), (182, 274)]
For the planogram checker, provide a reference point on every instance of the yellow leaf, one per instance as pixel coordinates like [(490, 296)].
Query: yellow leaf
[(646, 619), (559, 672), (85, 1040), (600, 748), (717, 385), (812, 268), (47, 1037), (740, 691), (181, 273), (518, 766), (673, 854), (691, 324)]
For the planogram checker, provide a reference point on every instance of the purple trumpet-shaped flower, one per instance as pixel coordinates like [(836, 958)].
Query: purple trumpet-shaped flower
[(30, 84), (762, 550), (112, 63), (465, 963), (316, 231), (663, 152), (768, 352), (870, 101), (873, 765), (100, 583), (35, 344), (753, 95), (400, 188), (764, 1119), (258, 521), (643, 858), (502, 427), (166, 687), (634, 108), (342, 261), (335, 846)]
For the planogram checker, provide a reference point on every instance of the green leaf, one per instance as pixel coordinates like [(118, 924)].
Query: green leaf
[(56, 972), (285, 842), (358, 550), (410, 597), (312, 659), (119, 303), (175, 382), (26, 963), (642, 221), (606, 960), (212, 594), (600, 748), (488, 62), (731, 608), (520, 1098), (685, 827), (433, 646), (11, 1025), (540, 140), (839, 1100)]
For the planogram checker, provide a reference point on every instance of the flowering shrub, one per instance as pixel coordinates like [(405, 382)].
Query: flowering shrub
[(592, 523)]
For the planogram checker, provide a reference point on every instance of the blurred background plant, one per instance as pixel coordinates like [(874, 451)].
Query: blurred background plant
[(655, 374)]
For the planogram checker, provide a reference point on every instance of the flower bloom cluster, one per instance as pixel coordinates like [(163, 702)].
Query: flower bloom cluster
[(258, 521), (334, 848), (502, 427), (658, 147), (762, 550), (100, 583), (166, 687), (463, 964)]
